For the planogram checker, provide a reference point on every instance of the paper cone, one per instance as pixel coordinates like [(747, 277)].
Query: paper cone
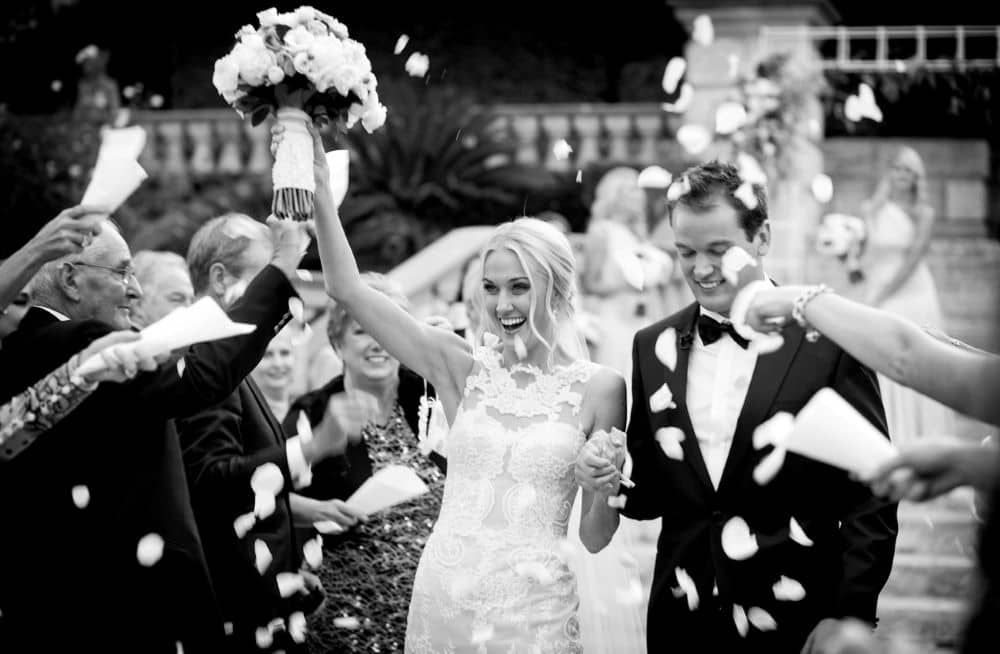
[(339, 162), (122, 144), (112, 182), (387, 487), (831, 431)]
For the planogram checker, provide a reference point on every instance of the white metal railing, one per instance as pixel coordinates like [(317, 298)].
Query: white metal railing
[(895, 48)]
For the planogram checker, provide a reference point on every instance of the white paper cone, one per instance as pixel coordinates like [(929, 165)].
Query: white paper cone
[(339, 162), (125, 143), (112, 182), (389, 486)]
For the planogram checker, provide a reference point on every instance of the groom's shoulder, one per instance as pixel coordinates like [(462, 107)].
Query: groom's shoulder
[(677, 319)]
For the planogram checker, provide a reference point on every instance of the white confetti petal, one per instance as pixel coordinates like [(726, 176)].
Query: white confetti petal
[(662, 399), (735, 260), (304, 275), (561, 149), (81, 496), (264, 505), (678, 189), (417, 64), (852, 109), (579, 176), (666, 347), (654, 177), (617, 501), (296, 308), (766, 343), (150, 549), (227, 628), (312, 551), (290, 583), (787, 589), (181, 365), (796, 533), (746, 195), (740, 619), (694, 138), (346, 622), (677, 592), (737, 541), (761, 619), (750, 170), (327, 527), (683, 101), (774, 430), (822, 188), (672, 74), (670, 439), (262, 555), (303, 428), (868, 106), (267, 478), (631, 595), (686, 583), (519, 348), (482, 634), (715, 589), (297, 626), (244, 523), (400, 44), (490, 340), (264, 637), (730, 117), (769, 466), (56, 85), (702, 31), (180, 647)]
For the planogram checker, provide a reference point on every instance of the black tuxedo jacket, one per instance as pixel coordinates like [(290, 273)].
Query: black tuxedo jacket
[(69, 577), (853, 532), (223, 446)]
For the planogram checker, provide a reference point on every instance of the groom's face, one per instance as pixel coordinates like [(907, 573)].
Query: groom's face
[(702, 238)]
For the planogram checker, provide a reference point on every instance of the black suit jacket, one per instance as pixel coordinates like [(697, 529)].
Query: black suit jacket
[(223, 446), (853, 532), (69, 577)]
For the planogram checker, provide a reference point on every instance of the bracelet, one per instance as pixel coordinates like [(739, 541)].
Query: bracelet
[(799, 307)]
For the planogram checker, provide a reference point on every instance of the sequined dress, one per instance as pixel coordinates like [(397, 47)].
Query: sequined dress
[(494, 577), (367, 573)]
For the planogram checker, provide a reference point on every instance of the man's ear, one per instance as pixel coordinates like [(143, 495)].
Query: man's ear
[(217, 279), (68, 281), (763, 239)]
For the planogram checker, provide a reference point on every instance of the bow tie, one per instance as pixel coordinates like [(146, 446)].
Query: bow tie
[(712, 330)]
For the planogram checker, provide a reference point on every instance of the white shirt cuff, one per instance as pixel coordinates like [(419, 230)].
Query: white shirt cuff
[(299, 469)]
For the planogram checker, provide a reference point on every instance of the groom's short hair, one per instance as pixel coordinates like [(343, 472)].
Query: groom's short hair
[(712, 180)]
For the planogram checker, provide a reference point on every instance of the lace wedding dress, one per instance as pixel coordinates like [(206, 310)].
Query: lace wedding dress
[(494, 576)]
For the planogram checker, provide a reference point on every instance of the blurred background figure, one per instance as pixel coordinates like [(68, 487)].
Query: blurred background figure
[(97, 100), (165, 283), (275, 371), (896, 278)]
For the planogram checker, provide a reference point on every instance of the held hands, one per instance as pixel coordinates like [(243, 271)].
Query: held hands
[(338, 512), (599, 461), (120, 363)]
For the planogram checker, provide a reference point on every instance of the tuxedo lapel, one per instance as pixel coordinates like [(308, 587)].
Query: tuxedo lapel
[(767, 376)]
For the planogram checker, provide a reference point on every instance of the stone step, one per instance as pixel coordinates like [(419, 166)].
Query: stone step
[(931, 622), (936, 531), (933, 575)]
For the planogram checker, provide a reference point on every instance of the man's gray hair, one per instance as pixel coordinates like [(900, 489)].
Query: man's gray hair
[(44, 286), (148, 263), (222, 240)]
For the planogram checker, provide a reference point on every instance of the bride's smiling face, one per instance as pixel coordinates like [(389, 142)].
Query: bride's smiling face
[(508, 293)]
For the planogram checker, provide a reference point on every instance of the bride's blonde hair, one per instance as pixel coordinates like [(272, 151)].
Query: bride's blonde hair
[(909, 159)]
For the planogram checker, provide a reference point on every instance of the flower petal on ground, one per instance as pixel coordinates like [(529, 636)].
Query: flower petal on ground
[(346, 622)]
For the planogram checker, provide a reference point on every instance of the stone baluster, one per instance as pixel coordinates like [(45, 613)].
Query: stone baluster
[(260, 159), (202, 159), (619, 131), (174, 163), (149, 157), (557, 127), (649, 128), (526, 130), (230, 158), (588, 129)]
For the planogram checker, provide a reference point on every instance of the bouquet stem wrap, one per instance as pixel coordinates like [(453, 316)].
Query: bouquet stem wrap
[(292, 173)]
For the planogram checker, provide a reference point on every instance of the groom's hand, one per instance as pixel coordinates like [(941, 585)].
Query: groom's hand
[(595, 473)]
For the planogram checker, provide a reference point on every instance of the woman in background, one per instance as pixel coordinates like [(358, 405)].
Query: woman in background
[(273, 374)]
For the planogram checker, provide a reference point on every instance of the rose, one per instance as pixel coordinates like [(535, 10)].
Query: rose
[(268, 17), (253, 40), (374, 117), (298, 39), (275, 74), (304, 14), (226, 77), (253, 62)]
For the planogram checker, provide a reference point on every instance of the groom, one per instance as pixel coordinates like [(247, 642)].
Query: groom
[(722, 391)]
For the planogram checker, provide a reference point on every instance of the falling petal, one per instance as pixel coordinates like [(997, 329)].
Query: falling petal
[(303, 428), (296, 308), (899, 65), (262, 555), (150, 549), (766, 343), (670, 439), (290, 583), (683, 101), (156, 101), (677, 592), (788, 590), (774, 430), (631, 595), (672, 74), (694, 138), (81, 496), (686, 583), (822, 188), (740, 618), (243, 524), (579, 176), (327, 527), (666, 347), (631, 266), (263, 505), (746, 195), (702, 31), (737, 541), (264, 637), (796, 533), (482, 634), (312, 551), (769, 466), (227, 628), (56, 85), (729, 117), (761, 619), (617, 501), (561, 149), (852, 109), (297, 626), (490, 340), (181, 365), (715, 589), (346, 622), (180, 648), (400, 44), (733, 261), (662, 399), (304, 275), (519, 348), (417, 64), (654, 177), (678, 189), (750, 170), (267, 478)]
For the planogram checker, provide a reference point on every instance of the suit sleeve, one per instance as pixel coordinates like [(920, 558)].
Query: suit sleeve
[(645, 500), (868, 524)]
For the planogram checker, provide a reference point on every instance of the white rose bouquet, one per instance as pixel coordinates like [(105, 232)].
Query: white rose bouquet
[(301, 66)]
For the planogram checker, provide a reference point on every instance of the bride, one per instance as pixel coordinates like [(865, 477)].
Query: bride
[(494, 576)]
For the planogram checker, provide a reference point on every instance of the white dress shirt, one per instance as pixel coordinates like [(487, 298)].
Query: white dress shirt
[(718, 379), (59, 316)]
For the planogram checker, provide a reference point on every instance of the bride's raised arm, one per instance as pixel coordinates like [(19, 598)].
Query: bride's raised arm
[(438, 355)]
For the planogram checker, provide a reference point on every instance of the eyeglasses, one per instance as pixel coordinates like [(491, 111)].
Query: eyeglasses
[(125, 272)]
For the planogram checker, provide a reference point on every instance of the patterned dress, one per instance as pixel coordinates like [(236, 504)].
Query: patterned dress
[(494, 576), (367, 573)]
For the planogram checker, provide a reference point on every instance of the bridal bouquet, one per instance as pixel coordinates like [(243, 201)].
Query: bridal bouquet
[(301, 66)]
